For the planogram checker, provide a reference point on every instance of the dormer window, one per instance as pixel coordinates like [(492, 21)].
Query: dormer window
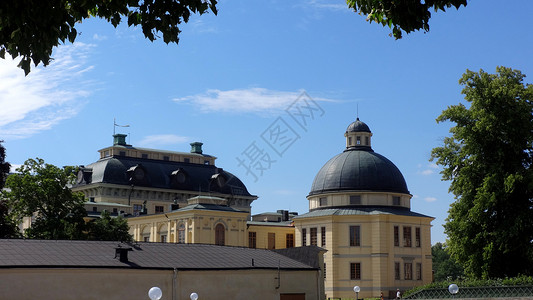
[(355, 200), (358, 140), (323, 201)]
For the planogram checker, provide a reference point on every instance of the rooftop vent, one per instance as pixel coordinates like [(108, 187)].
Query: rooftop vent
[(122, 254), (119, 139), (196, 147)]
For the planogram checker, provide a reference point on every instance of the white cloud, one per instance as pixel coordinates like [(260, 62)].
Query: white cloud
[(429, 169), (335, 5), (46, 96), (252, 100), (430, 199), (162, 139), (99, 37)]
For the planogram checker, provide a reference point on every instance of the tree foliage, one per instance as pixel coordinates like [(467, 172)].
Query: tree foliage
[(107, 228), (406, 15), (4, 165), (8, 228), (32, 28), (488, 161), (444, 266), (40, 191)]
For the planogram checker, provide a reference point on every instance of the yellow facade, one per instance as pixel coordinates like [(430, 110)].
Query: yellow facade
[(376, 253)]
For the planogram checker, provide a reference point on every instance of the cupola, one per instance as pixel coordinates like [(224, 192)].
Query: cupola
[(358, 135)]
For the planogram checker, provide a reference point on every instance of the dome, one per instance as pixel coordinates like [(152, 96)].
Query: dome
[(359, 170), (358, 126)]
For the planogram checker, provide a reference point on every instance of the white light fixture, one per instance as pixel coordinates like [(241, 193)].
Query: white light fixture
[(453, 289), (194, 296), (155, 293), (356, 289)]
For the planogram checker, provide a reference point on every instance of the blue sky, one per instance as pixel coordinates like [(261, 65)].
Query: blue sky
[(233, 77)]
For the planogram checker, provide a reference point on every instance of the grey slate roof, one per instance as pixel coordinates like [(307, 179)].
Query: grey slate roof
[(19, 253), (205, 206), (159, 175), (359, 169), (361, 211)]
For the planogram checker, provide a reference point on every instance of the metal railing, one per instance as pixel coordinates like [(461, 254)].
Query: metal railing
[(475, 292)]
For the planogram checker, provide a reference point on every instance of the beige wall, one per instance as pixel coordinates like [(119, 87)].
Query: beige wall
[(262, 232), (119, 284), (376, 254)]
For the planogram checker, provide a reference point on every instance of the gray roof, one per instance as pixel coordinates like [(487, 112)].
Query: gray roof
[(205, 206), (159, 174), (358, 126), (361, 211), (19, 253), (359, 169)]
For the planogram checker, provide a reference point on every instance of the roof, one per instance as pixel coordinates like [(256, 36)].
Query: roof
[(162, 174), (19, 253), (362, 211), (358, 126), (204, 206), (359, 169), (271, 223), (307, 255)]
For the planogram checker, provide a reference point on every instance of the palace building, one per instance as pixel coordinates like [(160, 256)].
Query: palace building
[(359, 211)]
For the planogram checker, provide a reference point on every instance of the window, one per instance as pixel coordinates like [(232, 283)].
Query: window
[(407, 236), (417, 237), (408, 269), (397, 270), (289, 240), (396, 200), (324, 270), (304, 237), (137, 208), (144, 155), (367, 141), (158, 209), (187, 160), (252, 239), (91, 199), (349, 141), (115, 210), (355, 271), (163, 238), (166, 158), (355, 236), (323, 201), (220, 235), (147, 239), (358, 140), (181, 234), (271, 240), (122, 153), (323, 236), (396, 236), (206, 162), (95, 209), (313, 233), (418, 271), (355, 200)]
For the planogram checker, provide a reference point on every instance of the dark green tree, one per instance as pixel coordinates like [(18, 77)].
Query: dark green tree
[(107, 228), (402, 15), (8, 228), (41, 191), (488, 161), (32, 28), (4, 165), (444, 266)]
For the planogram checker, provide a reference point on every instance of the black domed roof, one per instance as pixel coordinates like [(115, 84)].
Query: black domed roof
[(359, 170), (358, 126)]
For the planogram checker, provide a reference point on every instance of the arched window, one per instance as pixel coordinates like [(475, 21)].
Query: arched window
[(181, 234), (220, 232)]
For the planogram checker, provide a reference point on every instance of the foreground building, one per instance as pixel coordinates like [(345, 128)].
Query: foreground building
[(359, 210), (45, 269)]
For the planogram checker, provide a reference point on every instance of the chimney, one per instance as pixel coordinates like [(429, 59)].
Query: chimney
[(119, 139), (122, 254), (196, 147)]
